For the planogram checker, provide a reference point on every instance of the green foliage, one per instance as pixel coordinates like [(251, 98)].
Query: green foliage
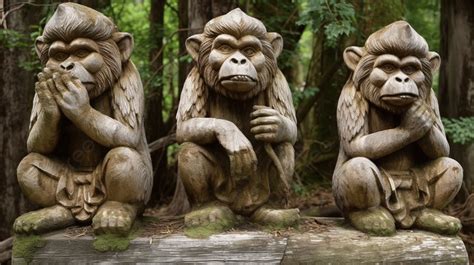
[(460, 130), (300, 95), (335, 17)]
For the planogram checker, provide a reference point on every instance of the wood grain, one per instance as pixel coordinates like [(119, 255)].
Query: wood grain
[(338, 244)]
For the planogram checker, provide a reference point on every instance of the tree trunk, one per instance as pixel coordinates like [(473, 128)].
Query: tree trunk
[(155, 125), (200, 12), (457, 73), (17, 90), (183, 35)]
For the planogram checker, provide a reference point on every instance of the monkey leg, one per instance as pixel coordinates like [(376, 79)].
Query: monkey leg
[(444, 190), (128, 180), (38, 179), (358, 196), (198, 168)]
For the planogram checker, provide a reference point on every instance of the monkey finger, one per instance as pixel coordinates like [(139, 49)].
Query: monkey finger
[(60, 85), (52, 88), (251, 157), (265, 120), (264, 112), (264, 129), (48, 72), (235, 165), (266, 137), (257, 107), (41, 77)]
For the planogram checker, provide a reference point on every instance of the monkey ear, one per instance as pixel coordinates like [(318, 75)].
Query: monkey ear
[(193, 44), (277, 42), (125, 43), (352, 56), (435, 60), (39, 45)]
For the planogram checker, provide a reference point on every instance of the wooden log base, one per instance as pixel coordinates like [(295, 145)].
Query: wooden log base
[(337, 243)]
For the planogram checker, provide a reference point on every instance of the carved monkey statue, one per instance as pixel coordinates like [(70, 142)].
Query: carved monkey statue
[(236, 124), (88, 157), (393, 168)]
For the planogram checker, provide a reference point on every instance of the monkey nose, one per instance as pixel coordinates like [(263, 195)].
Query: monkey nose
[(402, 79), (237, 61), (67, 66)]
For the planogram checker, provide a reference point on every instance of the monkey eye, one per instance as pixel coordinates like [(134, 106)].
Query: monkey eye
[(225, 48), (249, 51), (60, 56), (81, 53), (409, 69), (388, 67)]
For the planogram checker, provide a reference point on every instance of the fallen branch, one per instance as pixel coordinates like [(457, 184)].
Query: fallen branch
[(5, 250), (6, 244), (162, 142)]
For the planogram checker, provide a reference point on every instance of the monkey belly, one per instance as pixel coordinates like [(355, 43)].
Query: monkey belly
[(82, 152)]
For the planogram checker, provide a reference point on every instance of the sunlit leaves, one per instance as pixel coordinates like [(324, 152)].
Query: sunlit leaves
[(460, 130), (336, 18)]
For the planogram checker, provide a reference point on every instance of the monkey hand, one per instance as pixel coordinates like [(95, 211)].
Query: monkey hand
[(418, 119), (70, 94), (48, 104), (268, 125), (243, 160)]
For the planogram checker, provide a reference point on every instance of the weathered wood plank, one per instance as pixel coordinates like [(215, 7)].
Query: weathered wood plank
[(338, 244), (344, 245)]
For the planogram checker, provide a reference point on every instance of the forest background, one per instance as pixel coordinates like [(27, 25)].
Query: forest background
[(315, 33)]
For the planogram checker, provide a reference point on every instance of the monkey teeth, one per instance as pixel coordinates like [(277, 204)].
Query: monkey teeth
[(240, 78)]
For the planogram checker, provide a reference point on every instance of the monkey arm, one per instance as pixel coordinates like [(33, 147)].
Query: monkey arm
[(44, 134), (105, 130), (378, 144), (434, 144), (201, 130)]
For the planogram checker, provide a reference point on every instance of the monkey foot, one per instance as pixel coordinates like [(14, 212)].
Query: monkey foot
[(374, 221), (276, 217), (43, 220), (210, 219), (114, 218), (435, 221)]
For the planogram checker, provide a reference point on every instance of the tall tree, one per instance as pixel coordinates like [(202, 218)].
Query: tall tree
[(457, 73), (17, 90), (155, 123)]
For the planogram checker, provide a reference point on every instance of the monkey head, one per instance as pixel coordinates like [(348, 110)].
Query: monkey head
[(85, 43), (236, 55), (394, 68)]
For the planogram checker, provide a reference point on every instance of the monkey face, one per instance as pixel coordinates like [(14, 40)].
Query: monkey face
[(80, 57), (398, 79), (237, 62)]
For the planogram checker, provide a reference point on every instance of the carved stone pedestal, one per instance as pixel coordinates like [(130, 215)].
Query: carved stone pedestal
[(337, 243)]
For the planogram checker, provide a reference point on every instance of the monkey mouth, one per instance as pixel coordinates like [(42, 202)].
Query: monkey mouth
[(400, 99), (238, 83)]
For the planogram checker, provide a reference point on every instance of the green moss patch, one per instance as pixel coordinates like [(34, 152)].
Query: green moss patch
[(111, 242), (116, 242), (206, 231), (25, 246)]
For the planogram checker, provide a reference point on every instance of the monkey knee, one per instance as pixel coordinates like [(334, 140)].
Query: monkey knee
[(449, 183), (37, 186), (355, 184), (195, 170), (127, 177), (193, 160)]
